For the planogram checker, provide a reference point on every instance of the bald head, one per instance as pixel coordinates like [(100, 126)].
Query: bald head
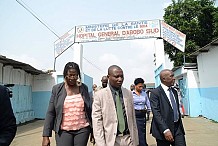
[(104, 78), (167, 77), (94, 87), (115, 76), (104, 81), (164, 73), (112, 68)]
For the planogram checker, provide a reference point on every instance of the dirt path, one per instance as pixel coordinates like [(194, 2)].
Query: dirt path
[(199, 132)]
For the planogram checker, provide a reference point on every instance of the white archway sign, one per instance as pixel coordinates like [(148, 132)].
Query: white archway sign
[(117, 31)]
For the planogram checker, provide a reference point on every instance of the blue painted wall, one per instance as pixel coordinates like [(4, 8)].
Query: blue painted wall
[(157, 77), (60, 78), (209, 98), (203, 101), (88, 81), (194, 98), (41, 101), (22, 103)]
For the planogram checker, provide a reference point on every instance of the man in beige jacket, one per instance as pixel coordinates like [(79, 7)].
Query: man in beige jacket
[(113, 114)]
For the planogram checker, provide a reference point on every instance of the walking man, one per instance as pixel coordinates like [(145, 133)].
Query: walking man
[(113, 115), (166, 124)]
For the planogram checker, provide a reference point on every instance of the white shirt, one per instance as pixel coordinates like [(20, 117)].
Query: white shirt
[(165, 88)]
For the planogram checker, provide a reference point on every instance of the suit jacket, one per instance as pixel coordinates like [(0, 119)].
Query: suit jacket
[(8, 125), (55, 109), (104, 117), (163, 117)]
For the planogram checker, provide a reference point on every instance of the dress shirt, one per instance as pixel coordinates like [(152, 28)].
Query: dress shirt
[(165, 88), (113, 91)]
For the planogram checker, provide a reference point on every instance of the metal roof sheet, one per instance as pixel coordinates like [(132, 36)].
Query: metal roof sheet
[(19, 65), (206, 48)]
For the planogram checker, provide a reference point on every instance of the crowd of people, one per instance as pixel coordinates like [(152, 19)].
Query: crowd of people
[(110, 115)]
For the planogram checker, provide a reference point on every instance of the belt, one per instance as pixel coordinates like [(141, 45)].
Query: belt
[(124, 133), (144, 111)]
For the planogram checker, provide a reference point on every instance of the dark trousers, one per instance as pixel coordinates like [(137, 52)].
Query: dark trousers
[(73, 137), (141, 125), (179, 138)]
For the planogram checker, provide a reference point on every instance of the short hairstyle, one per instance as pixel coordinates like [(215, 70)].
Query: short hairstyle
[(71, 65), (104, 77), (138, 80), (163, 74), (110, 69)]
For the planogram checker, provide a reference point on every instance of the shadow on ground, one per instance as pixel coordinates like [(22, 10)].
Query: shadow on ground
[(31, 125)]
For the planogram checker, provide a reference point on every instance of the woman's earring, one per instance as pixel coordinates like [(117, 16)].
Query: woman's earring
[(79, 83)]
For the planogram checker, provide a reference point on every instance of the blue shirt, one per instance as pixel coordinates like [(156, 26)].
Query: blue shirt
[(141, 101)]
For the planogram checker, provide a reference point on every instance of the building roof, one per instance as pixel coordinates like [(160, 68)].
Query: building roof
[(19, 65), (150, 85), (206, 48)]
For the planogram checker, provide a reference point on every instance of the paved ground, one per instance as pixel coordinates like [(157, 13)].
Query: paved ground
[(199, 132)]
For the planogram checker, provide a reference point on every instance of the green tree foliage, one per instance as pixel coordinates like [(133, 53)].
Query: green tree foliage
[(198, 19)]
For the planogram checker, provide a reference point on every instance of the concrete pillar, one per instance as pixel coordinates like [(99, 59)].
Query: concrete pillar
[(78, 55), (159, 52)]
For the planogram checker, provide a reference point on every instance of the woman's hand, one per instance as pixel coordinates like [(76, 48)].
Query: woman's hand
[(46, 141)]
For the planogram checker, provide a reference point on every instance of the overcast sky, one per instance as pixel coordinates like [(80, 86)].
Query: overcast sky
[(25, 39)]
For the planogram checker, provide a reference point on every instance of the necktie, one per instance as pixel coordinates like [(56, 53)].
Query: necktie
[(120, 116), (174, 105)]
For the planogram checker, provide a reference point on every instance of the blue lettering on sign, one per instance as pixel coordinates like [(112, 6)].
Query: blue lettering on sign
[(172, 36), (124, 27), (93, 29), (138, 22), (119, 26), (135, 26), (113, 28), (87, 29), (59, 47), (114, 24), (99, 29)]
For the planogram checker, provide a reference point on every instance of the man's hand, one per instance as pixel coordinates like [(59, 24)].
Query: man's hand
[(45, 141), (168, 136)]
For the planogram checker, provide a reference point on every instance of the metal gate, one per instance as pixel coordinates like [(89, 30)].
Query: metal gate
[(184, 94)]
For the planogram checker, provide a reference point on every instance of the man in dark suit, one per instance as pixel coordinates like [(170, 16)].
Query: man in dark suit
[(166, 124), (8, 125)]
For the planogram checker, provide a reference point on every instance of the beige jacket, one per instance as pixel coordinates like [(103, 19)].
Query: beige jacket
[(104, 117)]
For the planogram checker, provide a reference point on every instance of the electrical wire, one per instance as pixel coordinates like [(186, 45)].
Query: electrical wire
[(32, 13), (94, 65), (26, 7)]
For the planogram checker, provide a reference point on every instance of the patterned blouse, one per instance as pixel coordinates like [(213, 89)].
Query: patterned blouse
[(73, 113)]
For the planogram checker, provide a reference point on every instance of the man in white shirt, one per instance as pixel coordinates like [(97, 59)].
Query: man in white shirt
[(166, 124)]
